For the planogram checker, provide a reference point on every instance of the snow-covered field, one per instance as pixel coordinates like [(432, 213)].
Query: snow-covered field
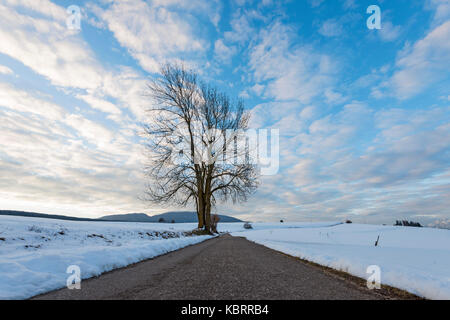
[(35, 252), (413, 259)]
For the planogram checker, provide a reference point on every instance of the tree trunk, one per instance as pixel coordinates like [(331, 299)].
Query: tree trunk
[(208, 215), (201, 222), (207, 197), (200, 212)]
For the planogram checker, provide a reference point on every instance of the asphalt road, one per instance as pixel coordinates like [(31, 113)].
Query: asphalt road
[(222, 268)]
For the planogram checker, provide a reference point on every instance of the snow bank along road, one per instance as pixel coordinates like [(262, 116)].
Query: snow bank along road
[(413, 259), (35, 253), (221, 268)]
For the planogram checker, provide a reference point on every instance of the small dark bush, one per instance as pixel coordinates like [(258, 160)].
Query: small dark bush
[(161, 220), (214, 221), (406, 223), (32, 246)]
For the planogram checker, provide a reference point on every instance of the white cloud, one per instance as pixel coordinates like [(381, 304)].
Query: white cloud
[(349, 4), (389, 32), (129, 88), (441, 10), (20, 100), (151, 31), (334, 97), (421, 65), (100, 104), (265, 114), (258, 89), (51, 50), (5, 70), (43, 7), (331, 28), (442, 224), (297, 73), (315, 3), (47, 46), (92, 132), (241, 29), (410, 147), (223, 52), (308, 112)]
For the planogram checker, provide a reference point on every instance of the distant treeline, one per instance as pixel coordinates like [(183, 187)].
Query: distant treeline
[(406, 223)]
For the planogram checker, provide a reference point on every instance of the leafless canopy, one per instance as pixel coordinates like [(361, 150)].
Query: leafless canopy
[(193, 135)]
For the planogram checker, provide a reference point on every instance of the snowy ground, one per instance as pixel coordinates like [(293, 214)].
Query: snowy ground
[(35, 252), (413, 259)]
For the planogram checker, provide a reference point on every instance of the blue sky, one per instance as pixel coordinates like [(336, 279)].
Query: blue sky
[(364, 115)]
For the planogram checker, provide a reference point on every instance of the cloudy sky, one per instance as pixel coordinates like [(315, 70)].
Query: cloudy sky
[(364, 115)]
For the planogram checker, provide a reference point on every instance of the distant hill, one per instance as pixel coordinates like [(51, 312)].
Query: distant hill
[(42, 215), (129, 217), (177, 216)]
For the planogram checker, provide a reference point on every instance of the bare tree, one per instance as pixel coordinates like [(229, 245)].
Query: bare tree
[(197, 148)]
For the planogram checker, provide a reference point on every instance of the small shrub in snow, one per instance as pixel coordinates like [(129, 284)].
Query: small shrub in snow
[(32, 246), (248, 225), (214, 221), (35, 229), (93, 235)]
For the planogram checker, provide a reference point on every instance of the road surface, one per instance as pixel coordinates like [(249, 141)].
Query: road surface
[(221, 268)]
